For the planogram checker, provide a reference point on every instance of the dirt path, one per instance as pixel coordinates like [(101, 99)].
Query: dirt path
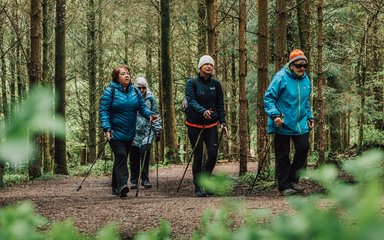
[(93, 206)]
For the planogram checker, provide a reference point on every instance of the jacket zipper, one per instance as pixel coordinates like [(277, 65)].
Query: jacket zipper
[(298, 115)]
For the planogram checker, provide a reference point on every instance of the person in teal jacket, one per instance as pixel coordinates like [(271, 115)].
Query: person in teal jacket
[(118, 109), (287, 103), (143, 138)]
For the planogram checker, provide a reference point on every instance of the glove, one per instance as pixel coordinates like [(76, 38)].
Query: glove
[(157, 136), (145, 147)]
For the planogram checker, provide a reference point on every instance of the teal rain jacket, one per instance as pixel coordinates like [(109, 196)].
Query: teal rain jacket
[(142, 124), (119, 114), (289, 95)]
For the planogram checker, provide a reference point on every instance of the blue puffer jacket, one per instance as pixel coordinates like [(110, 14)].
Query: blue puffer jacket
[(142, 124), (119, 115), (289, 95)]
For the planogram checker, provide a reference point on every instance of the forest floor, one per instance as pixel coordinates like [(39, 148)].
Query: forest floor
[(94, 206)]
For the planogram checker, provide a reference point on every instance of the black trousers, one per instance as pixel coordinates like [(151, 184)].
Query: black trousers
[(136, 158), (287, 172), (120, 150), (210, 137)]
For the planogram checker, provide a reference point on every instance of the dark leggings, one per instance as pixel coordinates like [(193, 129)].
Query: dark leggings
[(120, 169), (287, 172), (136, 158), (210, 138)]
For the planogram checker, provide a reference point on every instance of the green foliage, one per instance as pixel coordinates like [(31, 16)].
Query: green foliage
[(161, 233), (35, 115), (20, 222), (220, 184), (344, 212), (373, 136), (100, 168)]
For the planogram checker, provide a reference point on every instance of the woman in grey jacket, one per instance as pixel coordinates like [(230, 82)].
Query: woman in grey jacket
[(143, 138)]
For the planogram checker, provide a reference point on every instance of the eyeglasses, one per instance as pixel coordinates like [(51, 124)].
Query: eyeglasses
[(305, 65), (142, 88)]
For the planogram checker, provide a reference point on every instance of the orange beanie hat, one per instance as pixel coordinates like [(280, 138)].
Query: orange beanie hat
[(297, 55)]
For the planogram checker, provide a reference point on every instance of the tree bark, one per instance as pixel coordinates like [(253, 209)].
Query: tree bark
[(47, 16), (281, 34), (320, 122), (243, 113), (35, 163), (234, 106), (60, 65), (212, 22), (202, 28), (262, 84), (167, 85), (91, 60)]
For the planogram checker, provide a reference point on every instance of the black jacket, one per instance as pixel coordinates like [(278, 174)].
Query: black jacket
[(204, 95)]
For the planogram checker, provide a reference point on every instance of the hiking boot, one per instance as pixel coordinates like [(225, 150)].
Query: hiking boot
[(133, 186), (297, 187), (199, 192), (115, 191), (146, 183), (288, 192), (124, 190)]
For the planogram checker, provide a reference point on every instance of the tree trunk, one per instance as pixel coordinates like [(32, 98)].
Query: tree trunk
[(281, 34), (167, 85), (47, 16), (91, 60), (234, 107), (212, 22), (320, 122), (202, 28), (3, 75), (60, 62), (304, 20), (243, 113), (34, 167), (100, 62), (262, 84)]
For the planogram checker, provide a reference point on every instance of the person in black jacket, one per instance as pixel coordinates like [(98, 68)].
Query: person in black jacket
[(205, 112)]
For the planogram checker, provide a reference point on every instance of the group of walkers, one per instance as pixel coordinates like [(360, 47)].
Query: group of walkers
[(129, 116)]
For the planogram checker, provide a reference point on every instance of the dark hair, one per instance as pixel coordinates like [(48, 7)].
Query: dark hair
[(116, 72)]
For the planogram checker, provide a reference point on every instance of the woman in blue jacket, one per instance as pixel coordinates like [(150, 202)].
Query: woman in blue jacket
[(287, 103), (143, 140), (118, 108)]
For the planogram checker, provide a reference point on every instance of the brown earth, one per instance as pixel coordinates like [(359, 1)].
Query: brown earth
[(93, 206)]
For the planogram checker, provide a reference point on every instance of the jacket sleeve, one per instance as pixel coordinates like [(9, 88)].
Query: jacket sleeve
[(157, 126), (220, 102), (105, 109), (143, 108), (308, 106), (191, 95), (272, 95)]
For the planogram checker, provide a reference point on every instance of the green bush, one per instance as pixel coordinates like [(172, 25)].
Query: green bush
[(344, 211), (20, 222)]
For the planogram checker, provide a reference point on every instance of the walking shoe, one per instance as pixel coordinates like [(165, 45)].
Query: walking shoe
[(133, 186), (146, 183), (297, 187), (199, 192), (288, 192), (115, 191), (124, 190)]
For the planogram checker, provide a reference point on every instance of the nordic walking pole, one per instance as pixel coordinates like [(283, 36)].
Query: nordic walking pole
[(265, 156), (143, 161), (259, 169), (190, 156), (98, 156), (157, 166)]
